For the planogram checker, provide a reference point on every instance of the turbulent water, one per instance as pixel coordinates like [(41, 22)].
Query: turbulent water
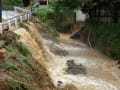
[(101, 72)]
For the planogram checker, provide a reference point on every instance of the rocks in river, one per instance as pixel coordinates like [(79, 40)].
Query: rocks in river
[(75, 68), (119, 67), (58, 51), (118, 62), (60, 83), (70, 63)]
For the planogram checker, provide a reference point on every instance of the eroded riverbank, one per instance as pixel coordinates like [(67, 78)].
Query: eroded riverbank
[(71, 62)]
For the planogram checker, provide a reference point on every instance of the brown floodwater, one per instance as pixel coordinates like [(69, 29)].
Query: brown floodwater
[(102, 73)]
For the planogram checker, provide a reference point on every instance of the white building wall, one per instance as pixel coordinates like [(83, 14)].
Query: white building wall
[(80, 16)]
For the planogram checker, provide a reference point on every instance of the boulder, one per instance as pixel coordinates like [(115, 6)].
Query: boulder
[(75, 68)]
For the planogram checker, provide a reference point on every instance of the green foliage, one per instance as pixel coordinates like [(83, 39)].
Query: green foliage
[(19, 85), (25, 62), (21, 47), (9, 4), (45, 15), (22, 76), (57, 18), (10, 66), (107, 35), (63, 15), (10, 50), (16, 2), (89, 4), (19, 65), (22, 68), (69, 4)]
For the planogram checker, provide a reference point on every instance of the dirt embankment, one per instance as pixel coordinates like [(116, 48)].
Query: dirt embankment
[(22, 66)]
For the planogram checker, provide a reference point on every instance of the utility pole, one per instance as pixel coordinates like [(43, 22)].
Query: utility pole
[(0, 11)]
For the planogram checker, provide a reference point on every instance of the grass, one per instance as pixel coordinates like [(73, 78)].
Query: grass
[(20, 64), (10, 66), (25, 62), (9, 4), (19, 85), (21, 47), (22, 74)]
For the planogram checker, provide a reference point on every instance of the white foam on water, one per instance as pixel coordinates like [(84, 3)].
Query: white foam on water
[(82, 81), (57, 67)]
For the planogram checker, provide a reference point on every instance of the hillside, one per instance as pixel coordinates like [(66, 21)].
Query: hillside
[(21, 65)]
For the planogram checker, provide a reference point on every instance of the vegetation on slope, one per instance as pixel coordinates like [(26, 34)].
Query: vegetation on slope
[(18, 69), (57, 16), (105, 34), (105, 37)]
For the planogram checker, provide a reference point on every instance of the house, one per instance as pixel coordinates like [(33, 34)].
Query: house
[(105, 12)]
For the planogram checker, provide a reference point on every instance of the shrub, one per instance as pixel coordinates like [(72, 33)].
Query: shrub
[(45, 15), (107, 37)]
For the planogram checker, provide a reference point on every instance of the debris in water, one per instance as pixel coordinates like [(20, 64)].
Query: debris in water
[(119, 67), (59, 83), (118, 62), (70, 63), (75, 68), (58, 51)]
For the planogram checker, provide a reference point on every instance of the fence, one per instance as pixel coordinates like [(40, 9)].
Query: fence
[(26, 15)]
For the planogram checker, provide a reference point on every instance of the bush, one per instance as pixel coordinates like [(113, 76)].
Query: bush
[(45, 15), (9, 4), (107, 37), (57, 18)]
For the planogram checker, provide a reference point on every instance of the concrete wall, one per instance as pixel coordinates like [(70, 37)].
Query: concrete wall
[(80, 16)]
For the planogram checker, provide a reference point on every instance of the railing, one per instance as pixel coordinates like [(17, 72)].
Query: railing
[(26, 15)]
